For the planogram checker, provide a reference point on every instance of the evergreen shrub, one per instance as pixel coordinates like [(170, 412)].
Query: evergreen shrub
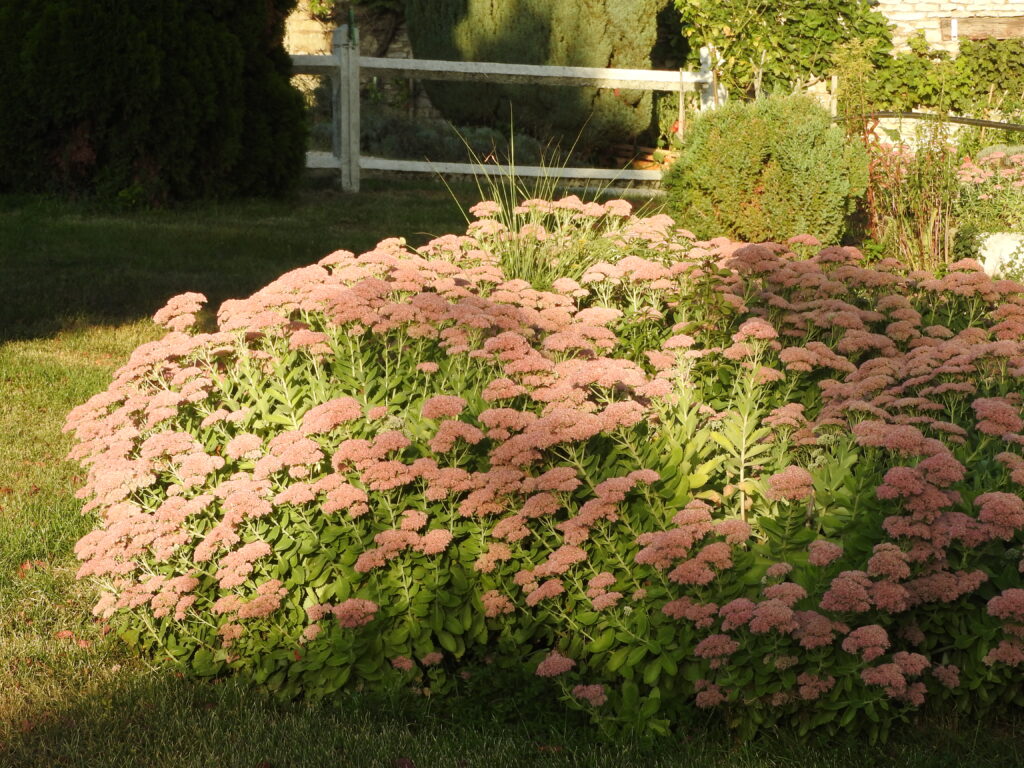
[(147, 102), (386, 132), (767, 170), (589, 33), (681, 476)]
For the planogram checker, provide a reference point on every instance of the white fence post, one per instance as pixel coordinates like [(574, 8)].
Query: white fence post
[(681, 118), (713, 93), (708, 88), (337, 76), (345, 45)]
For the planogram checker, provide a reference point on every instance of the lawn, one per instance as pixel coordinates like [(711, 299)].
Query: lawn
[(77, 285)]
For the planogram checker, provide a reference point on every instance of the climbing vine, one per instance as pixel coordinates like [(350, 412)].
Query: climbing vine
[(761, 45), (986, 76)]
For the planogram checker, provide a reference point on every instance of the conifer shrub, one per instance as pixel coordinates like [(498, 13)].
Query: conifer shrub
[(147, 102), (683, 475), (767, 170), (589, 33)]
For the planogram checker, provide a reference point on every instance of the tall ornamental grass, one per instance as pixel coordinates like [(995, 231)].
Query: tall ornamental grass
[(768, 480)]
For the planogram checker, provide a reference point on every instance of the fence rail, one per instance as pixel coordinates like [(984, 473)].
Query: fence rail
[(638, 79), (344, 64)]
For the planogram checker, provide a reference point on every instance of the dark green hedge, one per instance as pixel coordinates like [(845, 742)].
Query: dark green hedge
[(147, 101), (583, 33)]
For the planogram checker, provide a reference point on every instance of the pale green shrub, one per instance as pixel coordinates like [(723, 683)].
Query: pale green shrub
[(767, 170)]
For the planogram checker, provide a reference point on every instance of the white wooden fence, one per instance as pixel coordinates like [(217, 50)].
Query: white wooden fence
[(344, 65)]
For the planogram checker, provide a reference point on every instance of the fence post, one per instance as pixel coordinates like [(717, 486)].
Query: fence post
[(681, 119), (713, 94), (345, 45), (707, 88)]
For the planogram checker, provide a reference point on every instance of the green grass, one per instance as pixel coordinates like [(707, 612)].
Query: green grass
[(60, 261), (76, 287)]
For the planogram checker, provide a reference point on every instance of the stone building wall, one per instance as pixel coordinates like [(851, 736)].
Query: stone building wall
[(304, 34), (378, 36), (933, 17)]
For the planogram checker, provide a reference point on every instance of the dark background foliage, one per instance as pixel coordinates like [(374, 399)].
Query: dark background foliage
[(147, 102), (588, 33)]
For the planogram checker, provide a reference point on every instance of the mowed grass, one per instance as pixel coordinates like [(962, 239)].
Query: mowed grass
[(76, 289), (61, 261)]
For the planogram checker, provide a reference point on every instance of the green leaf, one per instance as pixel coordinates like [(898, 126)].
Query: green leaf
[(651, 705), (204, 663), (630, 697), (130, 636), (617, 659), (453, 625), (603, 643), (447, 641), (636, 655)]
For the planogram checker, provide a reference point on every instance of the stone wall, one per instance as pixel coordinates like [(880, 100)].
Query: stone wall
[(932, 17), (378, 36), (304, 34)]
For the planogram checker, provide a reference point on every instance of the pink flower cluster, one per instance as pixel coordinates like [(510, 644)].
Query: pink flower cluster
[(499, 446)]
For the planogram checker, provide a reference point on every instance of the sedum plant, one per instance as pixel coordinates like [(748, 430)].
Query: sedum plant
[(993, 200), (688, 475)]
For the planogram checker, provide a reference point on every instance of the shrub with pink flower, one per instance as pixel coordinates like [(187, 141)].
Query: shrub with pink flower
[(662, 474)]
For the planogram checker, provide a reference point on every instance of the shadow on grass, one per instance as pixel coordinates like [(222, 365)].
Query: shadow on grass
[(72, 262), (161, 721)]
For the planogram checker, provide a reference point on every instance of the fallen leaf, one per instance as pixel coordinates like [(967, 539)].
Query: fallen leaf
[(28, 565), (65, 634)]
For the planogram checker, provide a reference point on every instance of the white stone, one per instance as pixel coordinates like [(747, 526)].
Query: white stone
[(996, 250)]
